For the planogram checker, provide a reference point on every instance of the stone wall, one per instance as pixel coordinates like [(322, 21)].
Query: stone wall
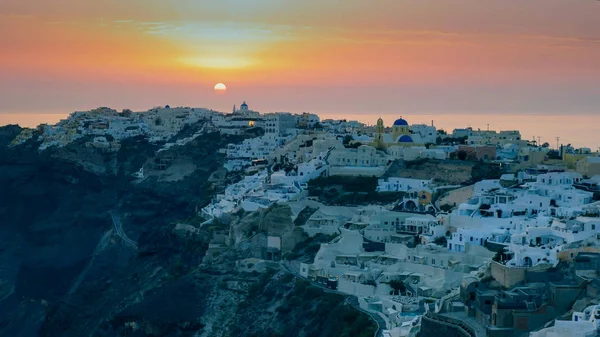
[(509, 276), (357, 171), (364, 290), (527, 321), (431, 327), (570, 254)]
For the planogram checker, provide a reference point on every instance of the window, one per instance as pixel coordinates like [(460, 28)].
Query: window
[(433, 261), (471, 239), (593, 227)]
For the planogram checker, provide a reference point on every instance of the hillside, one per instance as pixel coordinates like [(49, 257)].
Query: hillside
[(447, 172), (89, 250)]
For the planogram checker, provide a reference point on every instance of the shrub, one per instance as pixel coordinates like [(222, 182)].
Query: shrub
[(441, 241)]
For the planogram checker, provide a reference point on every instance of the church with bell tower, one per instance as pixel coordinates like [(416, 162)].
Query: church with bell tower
[(400, 135)]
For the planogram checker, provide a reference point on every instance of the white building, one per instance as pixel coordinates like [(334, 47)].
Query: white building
[(423, 134), (459, 239), (308, 120), (402, 185), (363, 156), (582, 324), (416, 152), (279, 124)]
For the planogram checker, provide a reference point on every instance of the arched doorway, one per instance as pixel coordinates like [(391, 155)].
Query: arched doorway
[(410, 205)]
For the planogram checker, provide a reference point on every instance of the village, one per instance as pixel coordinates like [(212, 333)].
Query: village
[(512, 252)]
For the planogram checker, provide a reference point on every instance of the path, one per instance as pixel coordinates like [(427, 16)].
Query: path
[(118, 226), (349, 299), (102, 244), (469, 321)]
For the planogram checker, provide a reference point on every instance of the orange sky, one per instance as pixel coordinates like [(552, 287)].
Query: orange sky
[(351, 56)]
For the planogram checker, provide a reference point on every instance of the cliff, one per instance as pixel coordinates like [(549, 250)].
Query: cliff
[(89, 250)]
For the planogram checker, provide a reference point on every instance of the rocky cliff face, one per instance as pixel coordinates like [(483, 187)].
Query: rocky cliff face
[(87, 250)]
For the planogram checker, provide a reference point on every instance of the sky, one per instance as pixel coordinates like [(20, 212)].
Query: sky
[(324, 56)]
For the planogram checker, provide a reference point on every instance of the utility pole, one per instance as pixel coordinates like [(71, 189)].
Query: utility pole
[(557, 148), (539, 141)]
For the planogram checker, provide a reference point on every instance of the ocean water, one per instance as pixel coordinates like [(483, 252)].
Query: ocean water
[(577, 130)]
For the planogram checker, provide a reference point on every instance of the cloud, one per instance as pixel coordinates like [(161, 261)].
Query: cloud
[(15, 16)]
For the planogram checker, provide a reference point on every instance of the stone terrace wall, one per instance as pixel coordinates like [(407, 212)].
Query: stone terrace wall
[(509, 276), (431, 326)]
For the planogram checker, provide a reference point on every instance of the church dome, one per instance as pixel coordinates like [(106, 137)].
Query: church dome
[(400, 122), (405, 139)]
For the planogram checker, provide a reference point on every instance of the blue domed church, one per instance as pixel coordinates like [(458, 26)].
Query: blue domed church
[(400, 136)]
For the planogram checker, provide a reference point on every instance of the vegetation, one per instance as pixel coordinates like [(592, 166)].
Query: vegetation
[(482, 171), (398, 287), (441, 241), (304, 215), (462, 155), (446, 208), (554, 154), (450, 140), (417, 162), (349, 184), (500, 257), (337, 190), (302, 308), (309, 247)]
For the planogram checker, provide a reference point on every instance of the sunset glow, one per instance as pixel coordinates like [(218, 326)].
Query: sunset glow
[(413, 56), (220, 88)]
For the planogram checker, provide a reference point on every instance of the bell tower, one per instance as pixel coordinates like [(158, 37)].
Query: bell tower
[(379, 129)]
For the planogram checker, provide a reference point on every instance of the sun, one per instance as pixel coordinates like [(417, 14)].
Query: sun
[(220, 88)]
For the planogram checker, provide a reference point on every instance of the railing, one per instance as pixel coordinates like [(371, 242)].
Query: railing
[(440, 305), (463, 327)]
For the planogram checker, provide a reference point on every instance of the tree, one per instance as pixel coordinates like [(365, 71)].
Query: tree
[(553, 154), (347, 140), (462, 155), (398, 286), (441, 241), (446, 208), (546, 145)]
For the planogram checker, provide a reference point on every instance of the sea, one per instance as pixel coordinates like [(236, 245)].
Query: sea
[(579, 130)]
